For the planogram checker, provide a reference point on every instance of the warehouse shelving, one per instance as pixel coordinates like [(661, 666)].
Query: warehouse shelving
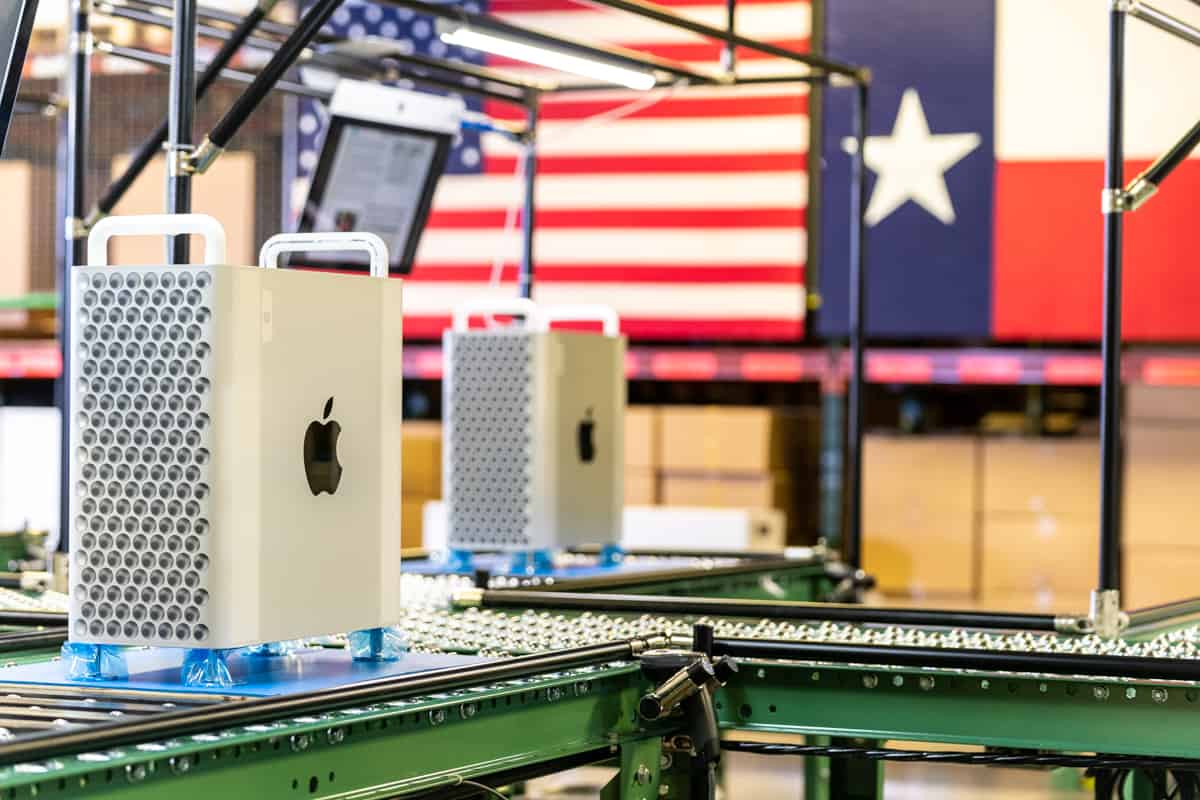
[(39, 358)]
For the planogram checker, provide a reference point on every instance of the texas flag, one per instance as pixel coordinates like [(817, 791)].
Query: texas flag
[(985, 161)]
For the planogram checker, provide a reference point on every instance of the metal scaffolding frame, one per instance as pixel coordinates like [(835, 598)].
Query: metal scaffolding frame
[(305, 44), (1116, 200)]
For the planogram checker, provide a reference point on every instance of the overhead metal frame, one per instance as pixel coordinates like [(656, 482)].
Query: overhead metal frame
[(185, 161), (1117, 199)]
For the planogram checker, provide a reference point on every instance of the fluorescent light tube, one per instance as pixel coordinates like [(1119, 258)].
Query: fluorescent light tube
[(464, 36)]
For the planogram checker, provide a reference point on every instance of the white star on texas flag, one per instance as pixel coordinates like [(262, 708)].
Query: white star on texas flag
[(912, 163)]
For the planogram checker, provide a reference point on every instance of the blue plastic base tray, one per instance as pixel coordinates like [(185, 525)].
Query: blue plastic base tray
[(498, 564), (254, 676)]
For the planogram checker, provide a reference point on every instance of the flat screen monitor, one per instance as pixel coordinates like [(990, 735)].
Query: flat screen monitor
[(377, 171), (16, 26)]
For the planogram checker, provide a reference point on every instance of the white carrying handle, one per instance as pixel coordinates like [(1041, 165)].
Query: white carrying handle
[(156, 225), (589, 312), (280, 243), (516, 306)]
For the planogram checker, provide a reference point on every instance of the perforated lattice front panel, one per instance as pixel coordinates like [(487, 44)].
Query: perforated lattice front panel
[(489, 406), (141, 367)]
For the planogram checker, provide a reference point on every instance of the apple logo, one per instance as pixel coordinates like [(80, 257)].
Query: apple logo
[(321, 465), (586, 438)]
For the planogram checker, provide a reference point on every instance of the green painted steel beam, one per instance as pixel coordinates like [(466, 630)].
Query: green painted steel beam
[(375, 752), (998, 710)]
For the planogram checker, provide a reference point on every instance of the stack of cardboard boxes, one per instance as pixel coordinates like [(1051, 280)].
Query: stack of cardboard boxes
[(642, 452), (1162, 479), (919, 513), (739, 457), (421, 476), (725, 457), (1008, 521), (1040, 517)]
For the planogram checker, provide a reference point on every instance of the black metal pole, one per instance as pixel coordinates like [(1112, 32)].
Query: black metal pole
[(1183, 669), (243, 77), (1165, 611), (669, 17), (729, 53), (852, 546), (1165, 22), (529, 167), (24, 641), (152, 145), (1109, 578), (181, 116), (721, 607), (1157, 172), (75, 187), (287, 54), (633, 59), (52, 619)]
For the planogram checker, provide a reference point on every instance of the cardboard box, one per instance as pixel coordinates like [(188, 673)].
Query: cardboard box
[(919, 513), (16, 226), (411, 511), (733, 439), (932, 474), (1156, 575), (421, 459), (1039, 555), (919, 550), (718, 529), (641, 487), (770, 490), (1162, 403), (1040, 475), (227, 191), (1162, 474), (642, 443)]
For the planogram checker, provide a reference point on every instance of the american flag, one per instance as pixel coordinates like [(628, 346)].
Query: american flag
[(686, 211)]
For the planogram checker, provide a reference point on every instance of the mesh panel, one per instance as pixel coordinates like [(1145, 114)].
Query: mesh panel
[(489, 405), (140, 543)]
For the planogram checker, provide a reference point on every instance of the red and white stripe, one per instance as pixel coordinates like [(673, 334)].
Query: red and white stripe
[(659, 213), (1051, 129)]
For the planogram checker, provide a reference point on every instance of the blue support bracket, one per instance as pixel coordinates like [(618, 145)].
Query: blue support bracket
[(378, 644), (94, 662)]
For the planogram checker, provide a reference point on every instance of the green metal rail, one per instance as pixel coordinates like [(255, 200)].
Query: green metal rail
[(443, 744)]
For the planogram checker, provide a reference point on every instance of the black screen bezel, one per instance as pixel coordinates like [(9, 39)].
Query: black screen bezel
[(12, 71), (401, 263)]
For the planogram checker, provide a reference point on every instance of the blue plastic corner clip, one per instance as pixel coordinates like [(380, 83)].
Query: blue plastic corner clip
[(204, 668), (378, 644), (94, 662)]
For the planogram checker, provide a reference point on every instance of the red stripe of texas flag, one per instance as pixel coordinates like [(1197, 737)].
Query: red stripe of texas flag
[(1049, 251)]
